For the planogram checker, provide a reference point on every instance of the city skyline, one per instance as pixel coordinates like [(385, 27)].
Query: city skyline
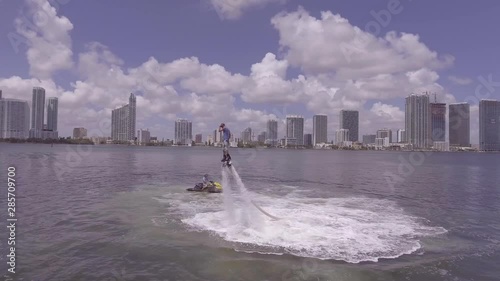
[(207, 87), (428, 121)]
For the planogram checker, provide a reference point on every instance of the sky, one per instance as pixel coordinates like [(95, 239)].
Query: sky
[(245, 62)]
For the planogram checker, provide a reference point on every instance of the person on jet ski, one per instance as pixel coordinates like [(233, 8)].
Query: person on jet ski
[(210, 185), (207, 181)]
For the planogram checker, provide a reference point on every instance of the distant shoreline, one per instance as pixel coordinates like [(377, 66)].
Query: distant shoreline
[(257, 147)]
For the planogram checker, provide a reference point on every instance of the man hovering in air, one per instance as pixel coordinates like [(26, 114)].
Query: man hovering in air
[(226, 135)]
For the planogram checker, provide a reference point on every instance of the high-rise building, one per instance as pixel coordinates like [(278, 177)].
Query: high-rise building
[(119, 123), (210, 140), (401, 136), (385, 133), (320, 129), (308, 140), (217, 136), (52, 106), (342, 136), (123, 121), (489, 125), (183, 132), (132, 102), (52, 111), (349, 120), (198, 138), (143, 137), (459, 124), (438, 122), (14, 118), (261, 138), (369, 139), (246, 135), (418, 121), (37, 112), (295, 129), (79, 133), (272, 132), (382, 142)]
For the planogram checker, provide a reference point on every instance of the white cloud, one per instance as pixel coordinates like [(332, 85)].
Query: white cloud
[(213, 79), (388, 112), (268, 82), (332, 44), (380, 71), (48, 39), (233, 9), (460, 81)]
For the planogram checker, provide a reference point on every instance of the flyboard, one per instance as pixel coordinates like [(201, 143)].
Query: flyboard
[(230, 166)]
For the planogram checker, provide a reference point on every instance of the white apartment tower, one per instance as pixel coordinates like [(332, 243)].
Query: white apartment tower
[(183, 132), (295, 128), (123, 121), (14, 118), (37, 112)]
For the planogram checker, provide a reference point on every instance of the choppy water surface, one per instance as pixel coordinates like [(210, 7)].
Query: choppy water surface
[(123, 213)]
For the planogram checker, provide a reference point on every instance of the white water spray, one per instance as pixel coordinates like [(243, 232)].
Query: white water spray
[(240, 210), (228, 198), (250, 216)]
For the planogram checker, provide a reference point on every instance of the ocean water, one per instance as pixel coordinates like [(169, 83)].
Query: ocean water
[(123, 213)]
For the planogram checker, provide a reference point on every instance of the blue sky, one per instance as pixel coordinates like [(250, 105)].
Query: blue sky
[(235, 38)]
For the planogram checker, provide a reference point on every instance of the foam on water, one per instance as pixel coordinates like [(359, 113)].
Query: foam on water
[(348, 229)]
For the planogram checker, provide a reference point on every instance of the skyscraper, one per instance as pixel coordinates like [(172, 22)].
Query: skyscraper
[(489, 125), (342, 136), (295, 129), (459, 124), (401, 137), (217, 136), (198, 138), (79, 133), (438, 122), (143, 137), (320, 129), (261, 138), (183, 132), (37, 112), (369, 139), (308, 139), (132, 104), (52, 109), (123, 121), (272, 132), (349, 120), (384, 133), (246, 135), (418, 121), (14, 118)]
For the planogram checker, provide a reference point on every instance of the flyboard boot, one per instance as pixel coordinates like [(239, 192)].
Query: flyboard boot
[(226, 159)]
